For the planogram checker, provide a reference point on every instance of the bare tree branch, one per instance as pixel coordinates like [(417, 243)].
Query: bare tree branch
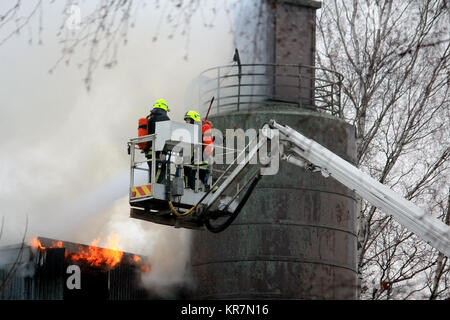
[(395, 58)]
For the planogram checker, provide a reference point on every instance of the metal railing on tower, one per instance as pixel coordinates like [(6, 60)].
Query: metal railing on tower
[(257, 85)]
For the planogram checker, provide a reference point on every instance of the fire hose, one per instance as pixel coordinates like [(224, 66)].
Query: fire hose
[(179, 214), (227, 223)]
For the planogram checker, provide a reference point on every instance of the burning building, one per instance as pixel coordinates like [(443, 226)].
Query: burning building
[(48, 269)]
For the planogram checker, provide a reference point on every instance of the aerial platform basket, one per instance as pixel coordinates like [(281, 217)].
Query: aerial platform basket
[(212, 204)]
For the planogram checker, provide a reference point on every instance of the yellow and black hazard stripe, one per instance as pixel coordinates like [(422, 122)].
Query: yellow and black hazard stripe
[(141, 191)]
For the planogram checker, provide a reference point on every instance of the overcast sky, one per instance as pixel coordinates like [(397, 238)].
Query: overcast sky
[(64, 161)]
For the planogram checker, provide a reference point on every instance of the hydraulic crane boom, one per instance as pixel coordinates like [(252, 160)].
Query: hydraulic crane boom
[(216, 206), (415, 219)]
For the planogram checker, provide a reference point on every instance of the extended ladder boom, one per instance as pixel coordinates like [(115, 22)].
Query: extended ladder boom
[(415, 219)]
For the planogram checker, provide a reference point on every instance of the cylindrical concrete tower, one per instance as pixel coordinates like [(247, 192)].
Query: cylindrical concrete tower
[(296, 236)]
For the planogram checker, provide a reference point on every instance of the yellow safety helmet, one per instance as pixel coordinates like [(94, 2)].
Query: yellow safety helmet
[(194, 115), (162, 104)]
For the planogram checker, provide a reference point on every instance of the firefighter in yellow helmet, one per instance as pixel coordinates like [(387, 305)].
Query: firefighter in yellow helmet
[(161, 104), (193, 117), (158, 113)]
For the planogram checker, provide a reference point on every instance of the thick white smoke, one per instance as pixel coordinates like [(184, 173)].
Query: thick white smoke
[(64, 162)]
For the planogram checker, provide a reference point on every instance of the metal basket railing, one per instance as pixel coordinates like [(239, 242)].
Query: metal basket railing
[(248, 86)]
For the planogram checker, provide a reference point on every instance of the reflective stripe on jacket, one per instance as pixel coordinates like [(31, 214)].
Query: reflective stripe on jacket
[(207, 137)]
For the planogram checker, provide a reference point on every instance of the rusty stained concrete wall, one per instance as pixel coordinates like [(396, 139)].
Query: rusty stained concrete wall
[(296, 237), (281, 32), (291, 38)]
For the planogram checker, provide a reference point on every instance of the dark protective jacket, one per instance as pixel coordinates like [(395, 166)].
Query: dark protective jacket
[(157, 114)]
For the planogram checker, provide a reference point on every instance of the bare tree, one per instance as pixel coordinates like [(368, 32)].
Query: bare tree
[(438, 281), (395, 60), (98, 32)]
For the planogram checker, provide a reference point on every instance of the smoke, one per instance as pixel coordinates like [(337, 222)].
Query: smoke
[(252, 78), (254, 31), (64, 162)]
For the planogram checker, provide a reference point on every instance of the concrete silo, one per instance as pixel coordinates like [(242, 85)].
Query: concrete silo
[(296, 236)]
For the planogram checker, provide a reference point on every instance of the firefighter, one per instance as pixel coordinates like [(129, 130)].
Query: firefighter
[(193, 117), (158, 113)]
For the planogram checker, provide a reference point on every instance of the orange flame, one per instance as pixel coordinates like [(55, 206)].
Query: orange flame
[(56, 245), (36, 243), (95, 256), (145, 268)]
